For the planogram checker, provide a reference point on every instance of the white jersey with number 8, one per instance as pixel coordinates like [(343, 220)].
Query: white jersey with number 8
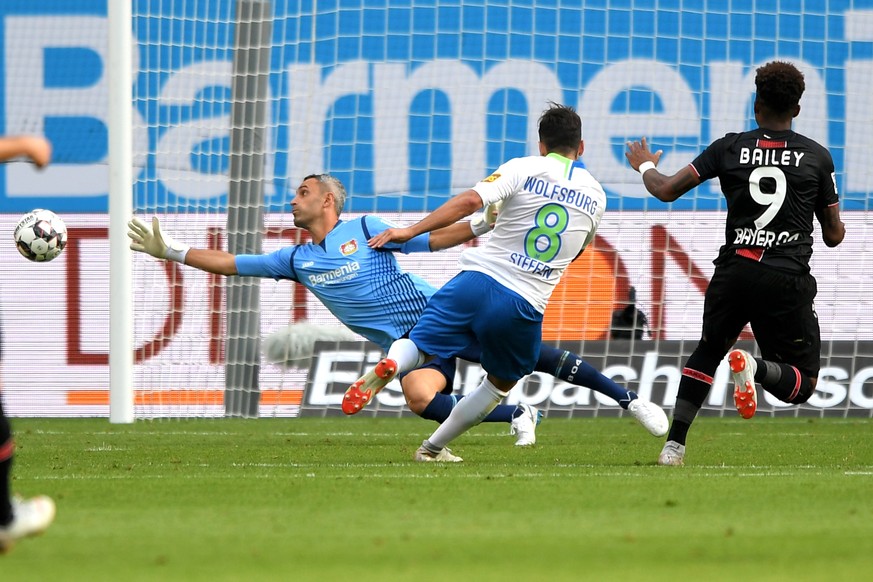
[(551, 209)]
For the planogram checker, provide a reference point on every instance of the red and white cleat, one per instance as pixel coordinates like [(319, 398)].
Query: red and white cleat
[(367, 386), (743, 367)]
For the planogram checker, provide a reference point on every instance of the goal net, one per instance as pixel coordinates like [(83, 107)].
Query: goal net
[(408, 103)]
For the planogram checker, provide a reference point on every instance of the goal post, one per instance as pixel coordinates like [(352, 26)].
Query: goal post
[(121, 345), (245, 215)]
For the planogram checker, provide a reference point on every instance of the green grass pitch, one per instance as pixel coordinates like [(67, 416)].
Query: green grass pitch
[(340, 499)]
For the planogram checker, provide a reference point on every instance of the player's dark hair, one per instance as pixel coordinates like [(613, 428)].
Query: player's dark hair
[(335, 186), (779, 86), (560, 128)]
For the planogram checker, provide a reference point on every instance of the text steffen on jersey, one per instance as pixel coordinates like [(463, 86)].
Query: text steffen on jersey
[(530, 264)]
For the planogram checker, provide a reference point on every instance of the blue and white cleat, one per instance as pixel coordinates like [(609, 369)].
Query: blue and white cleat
[(650, 415), (525, 425)]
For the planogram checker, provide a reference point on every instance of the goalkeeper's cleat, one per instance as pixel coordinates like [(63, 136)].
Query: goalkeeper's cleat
[(423, 455), (672, 455), (743, 368), (367, 386), (30, 517), (650, 415), (525, 425)]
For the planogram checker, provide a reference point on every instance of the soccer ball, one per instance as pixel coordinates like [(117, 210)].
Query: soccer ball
[(40, 235)]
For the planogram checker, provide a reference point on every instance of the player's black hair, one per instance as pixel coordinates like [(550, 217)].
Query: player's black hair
[(560, 128), (779, 86)]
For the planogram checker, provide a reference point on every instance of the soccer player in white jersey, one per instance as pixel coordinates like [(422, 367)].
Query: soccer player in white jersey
[(368, 292), (551, 207)]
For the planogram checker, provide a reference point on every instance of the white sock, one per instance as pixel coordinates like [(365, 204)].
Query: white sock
[(466, 414), (406, 354)]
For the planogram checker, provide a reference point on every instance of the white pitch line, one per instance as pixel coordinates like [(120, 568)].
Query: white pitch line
[(332, 477), (277, 434), (313, 468)]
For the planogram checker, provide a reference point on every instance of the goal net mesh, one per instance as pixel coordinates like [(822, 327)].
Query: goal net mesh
[(411, 102)]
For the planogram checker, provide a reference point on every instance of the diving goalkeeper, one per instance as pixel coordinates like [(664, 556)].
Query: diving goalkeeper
[(370, 294)]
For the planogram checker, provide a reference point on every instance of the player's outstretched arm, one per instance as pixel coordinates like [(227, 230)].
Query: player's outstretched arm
[(461, 232), (664, 188), (833, 230), (457, 207), (152, 241), (37, 148), (212, 261), (456, 234)]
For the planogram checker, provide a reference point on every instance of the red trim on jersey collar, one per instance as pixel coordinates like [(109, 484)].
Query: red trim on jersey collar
[(770, 144)]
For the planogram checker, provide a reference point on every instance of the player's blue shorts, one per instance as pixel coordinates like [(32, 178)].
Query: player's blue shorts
[(448, 366), (474, 308)]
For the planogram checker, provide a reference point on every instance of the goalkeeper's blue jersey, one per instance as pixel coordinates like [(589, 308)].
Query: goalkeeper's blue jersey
[(364, 288)]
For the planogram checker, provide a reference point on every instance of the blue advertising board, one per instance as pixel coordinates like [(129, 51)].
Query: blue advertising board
[(410, 102)]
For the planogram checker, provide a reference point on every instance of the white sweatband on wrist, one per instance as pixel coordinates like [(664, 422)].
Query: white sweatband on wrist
[(177, 252), (479, 225), (646, 166)]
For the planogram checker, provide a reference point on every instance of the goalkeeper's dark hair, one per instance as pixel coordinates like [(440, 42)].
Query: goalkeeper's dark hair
[(780, 86), (333, 185), (560, 128)]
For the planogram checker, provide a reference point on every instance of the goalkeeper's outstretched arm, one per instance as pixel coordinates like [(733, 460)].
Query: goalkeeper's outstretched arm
[(212, 261), (152, 241)]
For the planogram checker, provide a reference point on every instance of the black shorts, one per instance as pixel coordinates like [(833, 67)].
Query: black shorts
[(779, 306)]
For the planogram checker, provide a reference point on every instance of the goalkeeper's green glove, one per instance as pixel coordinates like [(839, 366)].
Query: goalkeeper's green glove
[(484, 221), (154, 242)]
